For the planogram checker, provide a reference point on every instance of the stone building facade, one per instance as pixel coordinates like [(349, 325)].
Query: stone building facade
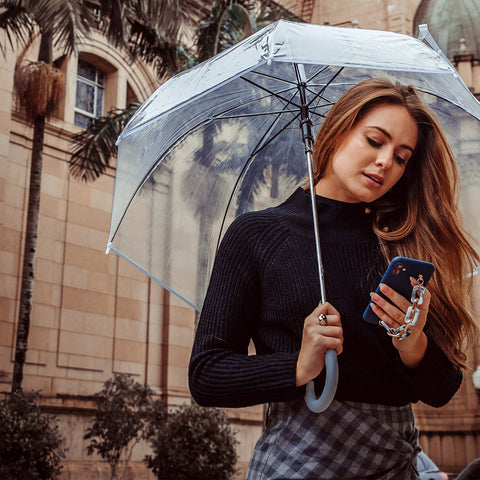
[(95, 315)]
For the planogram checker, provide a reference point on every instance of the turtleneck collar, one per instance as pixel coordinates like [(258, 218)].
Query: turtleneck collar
[(338, 221)]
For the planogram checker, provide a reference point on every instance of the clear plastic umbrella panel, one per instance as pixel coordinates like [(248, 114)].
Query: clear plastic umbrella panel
[(231, 136)]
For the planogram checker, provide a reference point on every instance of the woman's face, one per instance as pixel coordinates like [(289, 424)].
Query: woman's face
[(371, 157)]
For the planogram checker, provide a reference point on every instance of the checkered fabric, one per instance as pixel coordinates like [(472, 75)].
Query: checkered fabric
[(348, 441)]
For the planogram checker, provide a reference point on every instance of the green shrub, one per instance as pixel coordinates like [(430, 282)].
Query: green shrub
[(191, 443), (30, 441), (119, 422), (194, 443)]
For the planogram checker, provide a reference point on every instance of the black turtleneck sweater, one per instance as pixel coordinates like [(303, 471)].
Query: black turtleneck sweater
[(265, 283)]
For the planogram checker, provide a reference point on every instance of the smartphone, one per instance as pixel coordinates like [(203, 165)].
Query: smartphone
[(397, 276)]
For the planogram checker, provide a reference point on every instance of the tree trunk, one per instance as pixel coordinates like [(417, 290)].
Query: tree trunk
[(29, 254), (30, 246), (113, 471)]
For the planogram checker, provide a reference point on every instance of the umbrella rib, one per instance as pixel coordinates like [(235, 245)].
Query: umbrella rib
[(160, 159), (273, 77), (260, 144), (292, 82), (309, 81), (268, 94), (280, 97), (276, 95), (245, 115), (240, 176), (222, 116), (256, 114), (320, 93)]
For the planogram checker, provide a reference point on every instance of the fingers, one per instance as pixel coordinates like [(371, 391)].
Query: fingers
[(325, 326), (316, 340), (326, 308), (330, 312), (390, 314), (394, 315)]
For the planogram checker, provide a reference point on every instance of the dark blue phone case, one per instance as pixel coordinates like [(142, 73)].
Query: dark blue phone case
[(397, 276)]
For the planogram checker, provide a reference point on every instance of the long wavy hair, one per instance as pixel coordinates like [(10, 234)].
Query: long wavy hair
[(418, 217)]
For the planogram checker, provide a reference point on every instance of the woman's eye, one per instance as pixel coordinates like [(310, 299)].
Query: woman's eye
[(373, 142), (400, 160)]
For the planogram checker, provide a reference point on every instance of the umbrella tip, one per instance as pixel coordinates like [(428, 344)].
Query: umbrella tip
[(109, 247)]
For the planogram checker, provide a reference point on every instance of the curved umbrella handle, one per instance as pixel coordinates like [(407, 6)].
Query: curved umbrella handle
[(318, 405)]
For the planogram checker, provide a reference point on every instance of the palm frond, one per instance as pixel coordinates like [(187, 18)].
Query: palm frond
[(73, 21), (114, 20), (94, 148), (270, 11), (118, 18), (16, 23), (168, 58), (147, 29), (213, 28), (67, 20), (235, 26), (166, 16)]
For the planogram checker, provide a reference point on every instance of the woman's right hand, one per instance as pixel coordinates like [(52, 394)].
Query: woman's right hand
[(316, 340)]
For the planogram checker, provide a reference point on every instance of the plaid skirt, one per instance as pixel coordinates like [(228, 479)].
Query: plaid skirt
[(348, 441)]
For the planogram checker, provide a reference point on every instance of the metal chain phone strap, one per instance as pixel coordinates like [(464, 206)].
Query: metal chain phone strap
[(411, 317)]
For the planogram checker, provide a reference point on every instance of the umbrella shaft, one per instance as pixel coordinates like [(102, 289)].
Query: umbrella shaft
[(305, 121), (315, 227), (306, 126)]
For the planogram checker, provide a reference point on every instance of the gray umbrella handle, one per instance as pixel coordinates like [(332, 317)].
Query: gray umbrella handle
[(318, 405)]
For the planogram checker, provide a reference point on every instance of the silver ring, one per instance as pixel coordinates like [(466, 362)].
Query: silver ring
[(322, 319)]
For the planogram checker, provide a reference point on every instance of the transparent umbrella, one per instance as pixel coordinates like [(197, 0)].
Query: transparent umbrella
[(234, 134)]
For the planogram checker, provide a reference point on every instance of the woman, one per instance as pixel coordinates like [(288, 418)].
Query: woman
[(385, 184)]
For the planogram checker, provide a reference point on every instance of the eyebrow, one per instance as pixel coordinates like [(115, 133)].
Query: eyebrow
[(408, 147)]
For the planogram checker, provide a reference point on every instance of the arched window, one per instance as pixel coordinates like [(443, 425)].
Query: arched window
[(89, 99)]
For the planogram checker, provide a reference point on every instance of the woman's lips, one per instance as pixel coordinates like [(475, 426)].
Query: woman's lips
[(375, 180)]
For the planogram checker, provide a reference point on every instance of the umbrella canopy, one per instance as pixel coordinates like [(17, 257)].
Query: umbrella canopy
[(225, 137)]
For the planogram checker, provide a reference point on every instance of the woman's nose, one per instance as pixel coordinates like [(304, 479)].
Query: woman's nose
[(384, 159)]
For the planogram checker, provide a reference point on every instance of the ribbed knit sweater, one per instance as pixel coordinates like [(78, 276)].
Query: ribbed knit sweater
[(265, 283)]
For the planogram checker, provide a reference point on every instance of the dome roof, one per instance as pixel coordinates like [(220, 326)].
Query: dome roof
[(449, 21)]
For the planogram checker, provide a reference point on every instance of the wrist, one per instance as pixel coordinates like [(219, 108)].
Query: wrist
[(300, 378), (414, 350), (302, 374)]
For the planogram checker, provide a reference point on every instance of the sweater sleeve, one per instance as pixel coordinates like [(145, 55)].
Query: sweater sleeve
[(221, 372), (436, 379)]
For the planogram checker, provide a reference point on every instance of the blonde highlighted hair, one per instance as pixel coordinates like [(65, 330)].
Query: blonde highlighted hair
[(418, 217)]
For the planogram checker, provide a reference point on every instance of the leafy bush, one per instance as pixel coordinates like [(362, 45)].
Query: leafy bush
[(122, 408), (194, 443), (30, 441), (190, 443)]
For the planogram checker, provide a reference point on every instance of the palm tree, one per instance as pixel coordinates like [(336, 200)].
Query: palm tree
[(134, 25)]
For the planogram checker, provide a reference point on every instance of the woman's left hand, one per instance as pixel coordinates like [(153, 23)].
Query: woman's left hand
[(412, 348)]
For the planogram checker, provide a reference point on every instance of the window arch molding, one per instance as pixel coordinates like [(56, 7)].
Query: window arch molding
[(123, 79)]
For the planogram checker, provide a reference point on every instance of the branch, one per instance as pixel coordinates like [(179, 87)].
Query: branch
[(94, 148)]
